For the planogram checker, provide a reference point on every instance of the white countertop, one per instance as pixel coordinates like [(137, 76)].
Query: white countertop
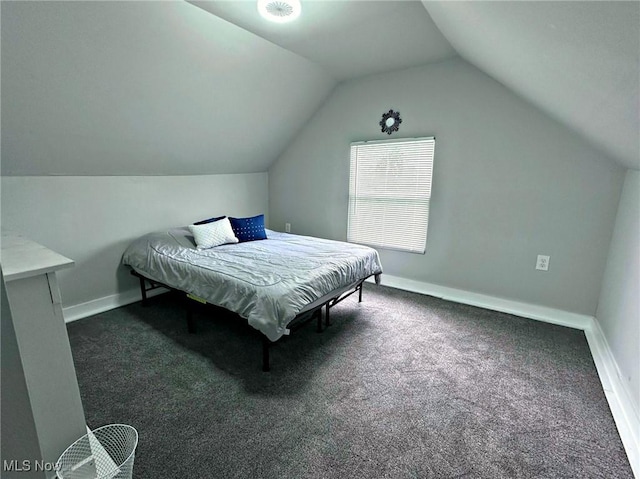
[(23, 258)]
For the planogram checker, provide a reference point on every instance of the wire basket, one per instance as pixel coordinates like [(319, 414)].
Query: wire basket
[(105, 453)]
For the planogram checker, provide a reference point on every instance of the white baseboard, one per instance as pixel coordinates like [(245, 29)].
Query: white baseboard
[(623, 408), (100, 305), (525, 310)]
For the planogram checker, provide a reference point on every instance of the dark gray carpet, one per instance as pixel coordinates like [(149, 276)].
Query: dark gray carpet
[(401, 386)]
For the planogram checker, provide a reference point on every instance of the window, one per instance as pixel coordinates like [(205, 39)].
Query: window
[(389, 193)]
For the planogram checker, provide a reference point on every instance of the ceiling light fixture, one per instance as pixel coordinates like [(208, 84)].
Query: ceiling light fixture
[(279, 11)]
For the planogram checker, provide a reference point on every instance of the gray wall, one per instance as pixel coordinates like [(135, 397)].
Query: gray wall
[(619, 306), (509, 183), (92, 219)]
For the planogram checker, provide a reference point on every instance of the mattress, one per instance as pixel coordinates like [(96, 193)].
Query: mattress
[(267, 282)]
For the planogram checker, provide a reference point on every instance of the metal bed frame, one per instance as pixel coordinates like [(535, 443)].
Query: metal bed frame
[(295, 324)]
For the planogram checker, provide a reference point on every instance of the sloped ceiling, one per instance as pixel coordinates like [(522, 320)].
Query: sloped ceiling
[(145, 88), (348, 39), (578, 60), (163, 88)]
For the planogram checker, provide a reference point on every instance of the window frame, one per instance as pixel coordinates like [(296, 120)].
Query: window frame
[(428, 167)]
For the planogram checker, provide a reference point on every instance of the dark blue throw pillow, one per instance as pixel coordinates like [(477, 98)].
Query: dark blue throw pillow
[(248, 229), (210, 220)]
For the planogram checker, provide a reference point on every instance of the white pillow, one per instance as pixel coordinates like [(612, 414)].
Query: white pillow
[(213, 234)]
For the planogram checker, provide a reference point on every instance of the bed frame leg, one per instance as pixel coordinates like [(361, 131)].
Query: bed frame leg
[(327, 317), (265, 354), (143, 291), (360, 293)]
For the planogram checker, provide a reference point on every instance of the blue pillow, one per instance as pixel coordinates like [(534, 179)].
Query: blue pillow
[(210, 220), (249, 229)]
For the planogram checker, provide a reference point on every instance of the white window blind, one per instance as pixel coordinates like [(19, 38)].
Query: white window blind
[(389, 193)]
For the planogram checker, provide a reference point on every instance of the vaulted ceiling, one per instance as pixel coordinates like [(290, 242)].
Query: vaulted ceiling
[(145, 88), (348, 39), (578, 60), (157, 88)]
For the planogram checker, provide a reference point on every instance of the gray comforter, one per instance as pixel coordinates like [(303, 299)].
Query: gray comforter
[(267, 282)]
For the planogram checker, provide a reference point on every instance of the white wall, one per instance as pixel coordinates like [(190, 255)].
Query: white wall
[(92, 219), (509, 183), (619, 306)]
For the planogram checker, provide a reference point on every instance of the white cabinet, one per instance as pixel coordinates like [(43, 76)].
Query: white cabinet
[(54, 403)]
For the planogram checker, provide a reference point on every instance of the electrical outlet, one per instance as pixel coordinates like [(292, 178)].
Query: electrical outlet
[(543, 262), (287, 227)]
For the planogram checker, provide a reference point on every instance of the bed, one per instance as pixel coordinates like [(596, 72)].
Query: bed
[(272, 283)]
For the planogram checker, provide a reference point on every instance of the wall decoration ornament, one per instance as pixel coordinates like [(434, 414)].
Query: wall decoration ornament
[(390, 122)]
